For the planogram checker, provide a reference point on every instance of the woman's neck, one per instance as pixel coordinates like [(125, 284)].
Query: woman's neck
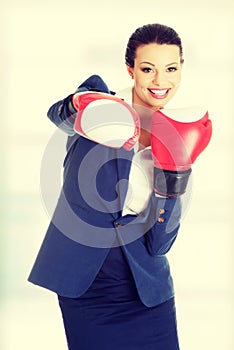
[(145, 124)]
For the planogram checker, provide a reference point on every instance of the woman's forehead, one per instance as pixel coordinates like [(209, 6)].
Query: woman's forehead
[(157, 53)]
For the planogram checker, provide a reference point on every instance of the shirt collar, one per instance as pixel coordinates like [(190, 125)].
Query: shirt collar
[(125, 94)]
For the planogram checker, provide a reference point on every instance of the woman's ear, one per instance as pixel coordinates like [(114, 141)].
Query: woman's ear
[(130, 71)]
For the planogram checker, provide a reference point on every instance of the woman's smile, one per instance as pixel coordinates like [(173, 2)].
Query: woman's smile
[(159, 93)]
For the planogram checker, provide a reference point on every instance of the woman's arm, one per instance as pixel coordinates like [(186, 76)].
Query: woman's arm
[(167, 214), (62, 114)]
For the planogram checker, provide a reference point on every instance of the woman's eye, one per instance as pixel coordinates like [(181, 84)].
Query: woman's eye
[(171, 69), (147, 70)]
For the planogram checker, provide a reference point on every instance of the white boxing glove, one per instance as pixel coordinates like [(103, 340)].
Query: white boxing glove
[(106, 119)]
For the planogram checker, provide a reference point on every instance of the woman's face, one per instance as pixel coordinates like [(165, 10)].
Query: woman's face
[(156, 74)]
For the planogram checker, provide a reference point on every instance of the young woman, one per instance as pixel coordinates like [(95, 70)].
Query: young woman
[(104, 251)]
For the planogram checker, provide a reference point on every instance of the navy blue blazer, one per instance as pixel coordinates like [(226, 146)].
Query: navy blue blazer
[(88, 221)]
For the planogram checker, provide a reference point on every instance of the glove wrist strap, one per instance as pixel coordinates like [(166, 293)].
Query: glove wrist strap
[(170, 183)]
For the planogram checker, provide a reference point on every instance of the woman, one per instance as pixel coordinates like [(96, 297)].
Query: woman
[(104, 251)]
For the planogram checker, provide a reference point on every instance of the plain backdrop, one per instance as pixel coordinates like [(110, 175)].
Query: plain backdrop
[(47, 49)]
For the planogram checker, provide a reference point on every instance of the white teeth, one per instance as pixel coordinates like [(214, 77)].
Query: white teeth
[(159, 92)]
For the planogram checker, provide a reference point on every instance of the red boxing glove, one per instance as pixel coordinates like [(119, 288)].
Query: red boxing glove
[(106, 119), (175, 146)]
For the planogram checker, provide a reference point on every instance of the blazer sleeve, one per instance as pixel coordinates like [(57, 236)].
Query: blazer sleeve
[(62, 114), (163, 233)]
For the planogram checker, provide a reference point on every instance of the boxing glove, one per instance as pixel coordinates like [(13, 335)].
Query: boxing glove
[(175, 146), (106, 119)]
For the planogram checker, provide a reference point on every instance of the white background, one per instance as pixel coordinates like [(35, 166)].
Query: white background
[(47, 49)]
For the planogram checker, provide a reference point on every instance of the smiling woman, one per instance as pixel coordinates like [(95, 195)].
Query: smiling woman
[(104, 253), (154, 59), (157, 74)]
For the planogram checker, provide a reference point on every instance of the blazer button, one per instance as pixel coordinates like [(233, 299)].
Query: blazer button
[(160, 219), (161, 211), (117, 224)]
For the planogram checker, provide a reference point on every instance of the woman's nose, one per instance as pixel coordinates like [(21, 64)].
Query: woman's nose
[(158, 78)]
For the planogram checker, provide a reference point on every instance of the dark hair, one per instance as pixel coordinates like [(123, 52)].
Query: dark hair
[(148, 34)]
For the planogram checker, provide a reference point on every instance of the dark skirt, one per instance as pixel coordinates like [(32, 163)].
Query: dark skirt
[(111, 316)]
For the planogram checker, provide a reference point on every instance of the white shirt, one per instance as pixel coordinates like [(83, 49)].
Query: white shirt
[(140, 185)]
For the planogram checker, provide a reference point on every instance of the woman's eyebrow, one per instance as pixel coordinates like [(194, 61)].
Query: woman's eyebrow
[(171, 64), (153, 65), (148, 63)]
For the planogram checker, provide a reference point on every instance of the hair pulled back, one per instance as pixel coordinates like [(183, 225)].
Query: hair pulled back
[(148, 34)]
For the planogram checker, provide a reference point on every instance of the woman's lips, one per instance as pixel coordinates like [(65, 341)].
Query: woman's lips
[(159, 93)]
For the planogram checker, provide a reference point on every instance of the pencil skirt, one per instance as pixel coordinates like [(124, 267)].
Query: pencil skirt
[(111, 316)]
